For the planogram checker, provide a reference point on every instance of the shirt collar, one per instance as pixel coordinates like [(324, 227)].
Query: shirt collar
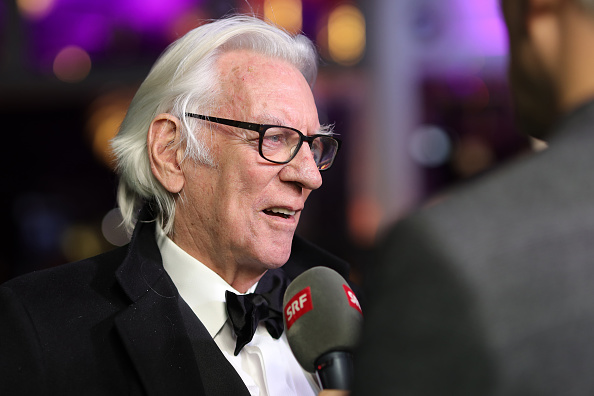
[(200, 287)]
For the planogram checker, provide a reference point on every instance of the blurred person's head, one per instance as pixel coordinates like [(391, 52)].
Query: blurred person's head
[(217, 188), (550, 54)]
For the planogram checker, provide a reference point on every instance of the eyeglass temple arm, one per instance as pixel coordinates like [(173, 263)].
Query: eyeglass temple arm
[(225, 121)]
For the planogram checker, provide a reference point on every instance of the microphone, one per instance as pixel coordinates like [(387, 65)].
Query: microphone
[(323, 319)]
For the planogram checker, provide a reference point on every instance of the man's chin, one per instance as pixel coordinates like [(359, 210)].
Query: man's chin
[(278, 260), (275, 256)]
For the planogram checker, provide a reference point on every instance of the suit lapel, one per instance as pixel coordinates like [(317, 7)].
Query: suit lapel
[(221, 379), (152, 328), (154, 336)]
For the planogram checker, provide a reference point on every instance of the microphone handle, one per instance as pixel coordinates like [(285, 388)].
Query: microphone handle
[(335, 370)]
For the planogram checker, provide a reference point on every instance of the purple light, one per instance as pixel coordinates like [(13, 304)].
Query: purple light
[(489, 37), (463, 35), (97, 25), (90, 31), (484, 27), (150, 15)]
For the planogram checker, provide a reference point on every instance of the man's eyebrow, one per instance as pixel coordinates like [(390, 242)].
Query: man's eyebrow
[(272, 120), (325, 129)]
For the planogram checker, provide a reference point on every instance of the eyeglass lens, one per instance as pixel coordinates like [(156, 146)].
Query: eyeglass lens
[(280, 145)]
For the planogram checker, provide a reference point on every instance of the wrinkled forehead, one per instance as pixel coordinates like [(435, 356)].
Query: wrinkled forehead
[(254, 84), (247, 69), (253, 62)]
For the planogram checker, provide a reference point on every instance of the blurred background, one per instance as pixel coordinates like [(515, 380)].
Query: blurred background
[(416, 88)]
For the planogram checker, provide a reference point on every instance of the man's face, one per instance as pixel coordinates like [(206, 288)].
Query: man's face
[(245, 210), (531, 81)]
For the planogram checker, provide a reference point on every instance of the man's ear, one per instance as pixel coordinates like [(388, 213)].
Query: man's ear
[(165, 152)]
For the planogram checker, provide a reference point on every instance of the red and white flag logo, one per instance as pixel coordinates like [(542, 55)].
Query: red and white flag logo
[(297, 306), (353, 302)]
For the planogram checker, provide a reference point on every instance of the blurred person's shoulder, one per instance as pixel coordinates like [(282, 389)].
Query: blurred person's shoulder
[(524, 202)]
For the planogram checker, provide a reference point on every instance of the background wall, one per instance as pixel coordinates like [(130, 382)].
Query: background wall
[(416, 88)]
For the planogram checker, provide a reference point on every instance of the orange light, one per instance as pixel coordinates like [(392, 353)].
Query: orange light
[(106, 116), (80, 241), (346, 35), (35, 9), (288, 14), (364, 217)]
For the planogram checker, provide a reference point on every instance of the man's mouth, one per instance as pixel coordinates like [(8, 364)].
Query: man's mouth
[(280, 212)]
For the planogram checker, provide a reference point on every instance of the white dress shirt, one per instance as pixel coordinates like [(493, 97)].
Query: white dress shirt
[(266, 365)]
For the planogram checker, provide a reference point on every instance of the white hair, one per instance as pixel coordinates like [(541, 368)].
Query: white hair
[(182, 80)]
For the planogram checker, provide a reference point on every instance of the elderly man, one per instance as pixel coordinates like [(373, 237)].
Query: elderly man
[(219, 150), (491, 291)]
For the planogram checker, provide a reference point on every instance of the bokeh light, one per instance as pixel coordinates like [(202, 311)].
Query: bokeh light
[(346, 35), (483, 27), (112, 228), (72, 64), (472, 156), (364, 217), (185, 22), (287, 14), (106, 115), (35, 9), (80, 241), (430, 146)]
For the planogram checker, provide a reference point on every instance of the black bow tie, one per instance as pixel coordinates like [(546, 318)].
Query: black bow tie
[(266, 304)]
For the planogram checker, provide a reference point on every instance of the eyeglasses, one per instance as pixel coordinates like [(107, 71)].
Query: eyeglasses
[(280, 144)]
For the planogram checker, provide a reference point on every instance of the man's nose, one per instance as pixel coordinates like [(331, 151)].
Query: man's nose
[(303, 170)]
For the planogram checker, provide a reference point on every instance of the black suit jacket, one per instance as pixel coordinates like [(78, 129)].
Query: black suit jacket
[(115, 324), (491, 292)]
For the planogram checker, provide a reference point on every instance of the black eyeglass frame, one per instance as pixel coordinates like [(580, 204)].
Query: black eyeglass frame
[(262, 128)]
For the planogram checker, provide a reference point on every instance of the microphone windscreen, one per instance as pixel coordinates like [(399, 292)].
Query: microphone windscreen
[(321, 315)]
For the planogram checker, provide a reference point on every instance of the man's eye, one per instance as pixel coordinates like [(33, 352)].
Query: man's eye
[(278, 138)]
